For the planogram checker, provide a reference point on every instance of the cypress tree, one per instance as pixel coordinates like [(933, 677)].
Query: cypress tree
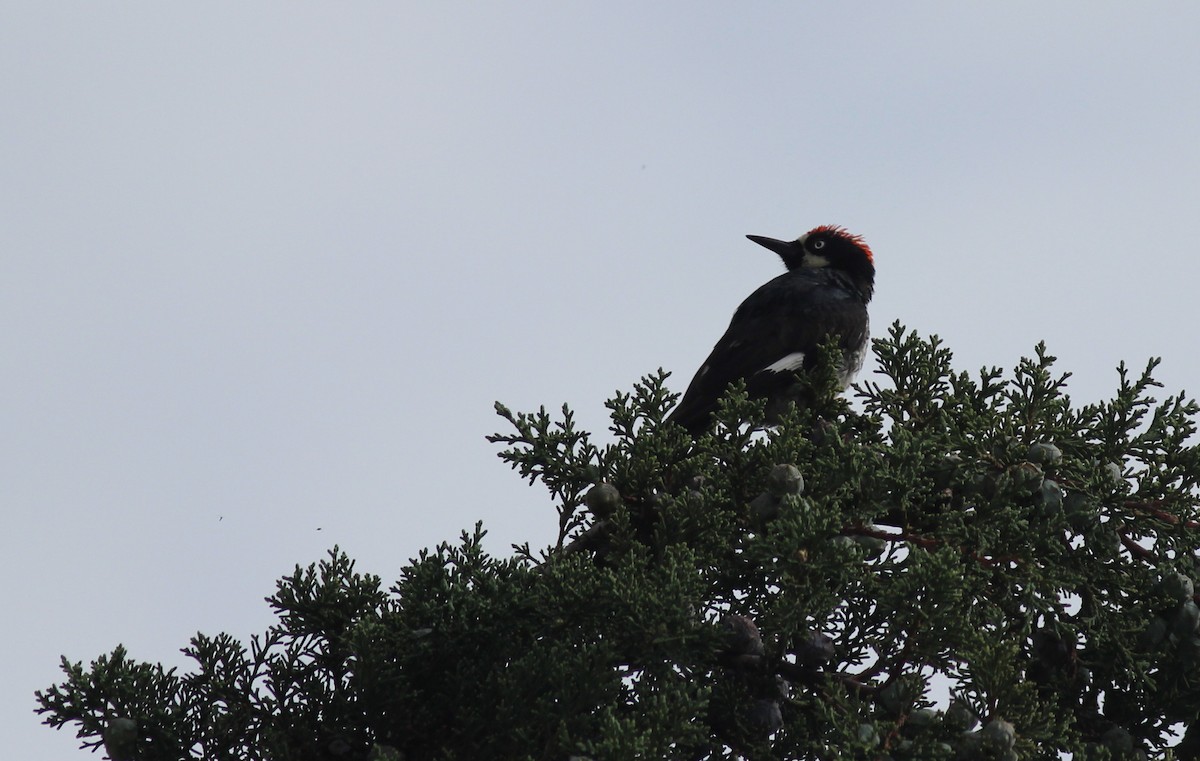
[(957, 566)]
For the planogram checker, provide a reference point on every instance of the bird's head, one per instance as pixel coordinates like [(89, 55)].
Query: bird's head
[(824, 246)]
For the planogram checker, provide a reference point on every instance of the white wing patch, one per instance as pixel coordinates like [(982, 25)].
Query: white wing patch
[(792, 361)]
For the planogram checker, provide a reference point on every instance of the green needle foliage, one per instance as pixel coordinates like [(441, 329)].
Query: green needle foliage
[(971, 567)]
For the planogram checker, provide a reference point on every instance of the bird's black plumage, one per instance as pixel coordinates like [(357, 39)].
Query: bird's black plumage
[(778, 329)]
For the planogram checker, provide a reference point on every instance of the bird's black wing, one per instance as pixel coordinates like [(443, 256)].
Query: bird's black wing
[(775, 333)]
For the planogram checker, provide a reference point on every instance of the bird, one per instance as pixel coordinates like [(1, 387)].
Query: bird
[(776, 333)]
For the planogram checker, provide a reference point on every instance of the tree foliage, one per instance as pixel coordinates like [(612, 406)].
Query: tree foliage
[(968, 566)]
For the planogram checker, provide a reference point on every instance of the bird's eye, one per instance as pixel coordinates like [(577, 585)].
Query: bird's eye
[(818, 244)]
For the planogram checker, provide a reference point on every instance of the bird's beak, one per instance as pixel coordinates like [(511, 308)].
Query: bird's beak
[(781, 247)]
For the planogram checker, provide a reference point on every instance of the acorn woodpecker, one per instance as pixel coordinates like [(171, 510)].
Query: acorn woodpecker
[(777, 331)]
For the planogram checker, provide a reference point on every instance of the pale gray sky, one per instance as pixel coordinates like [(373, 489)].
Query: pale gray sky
[(264, 267)]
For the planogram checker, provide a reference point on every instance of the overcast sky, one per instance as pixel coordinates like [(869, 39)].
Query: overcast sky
[(264, 267)]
